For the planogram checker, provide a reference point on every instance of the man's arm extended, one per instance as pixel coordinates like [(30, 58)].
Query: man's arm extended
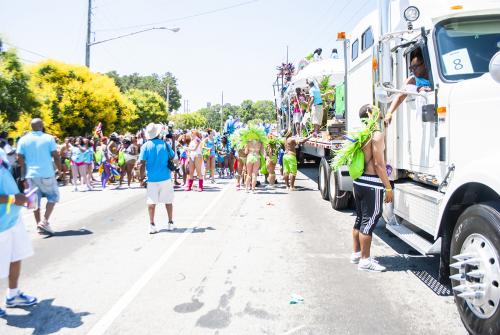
[(378, 148), (397, 101), (305, 139)]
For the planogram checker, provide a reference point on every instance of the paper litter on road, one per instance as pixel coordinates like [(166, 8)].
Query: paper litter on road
[(296, 299)]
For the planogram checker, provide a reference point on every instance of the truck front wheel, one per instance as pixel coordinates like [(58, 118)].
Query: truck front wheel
[(475, 268)]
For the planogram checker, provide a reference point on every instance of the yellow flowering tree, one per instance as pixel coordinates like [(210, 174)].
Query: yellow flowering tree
[(72, 100)]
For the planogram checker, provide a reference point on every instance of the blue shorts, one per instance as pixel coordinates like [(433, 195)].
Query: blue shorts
[(47, 187), (280, 158)]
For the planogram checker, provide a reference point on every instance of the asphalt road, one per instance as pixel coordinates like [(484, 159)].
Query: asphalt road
[(231, 267)]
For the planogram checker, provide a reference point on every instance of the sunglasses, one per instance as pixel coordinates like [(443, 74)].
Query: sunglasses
[(414, 67)]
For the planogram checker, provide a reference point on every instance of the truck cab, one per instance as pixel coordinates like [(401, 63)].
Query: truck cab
[(442, 141)]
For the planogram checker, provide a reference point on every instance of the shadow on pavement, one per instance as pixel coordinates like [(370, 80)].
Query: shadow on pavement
[(425, 268), (196, 230), (45, 318), (67, 233), (310, 171)]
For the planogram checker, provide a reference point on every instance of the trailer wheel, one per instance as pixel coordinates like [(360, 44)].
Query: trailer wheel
[(338, 199), (475, 268), (323, 178)]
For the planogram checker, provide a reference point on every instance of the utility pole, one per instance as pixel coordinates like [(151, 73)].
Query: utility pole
[(89, 32), (222, 114), (167, 93)]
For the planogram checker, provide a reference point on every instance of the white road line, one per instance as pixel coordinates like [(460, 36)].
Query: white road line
[(293, 330), (106, 321)]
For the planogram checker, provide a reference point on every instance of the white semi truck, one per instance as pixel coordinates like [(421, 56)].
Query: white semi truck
[(443, 145)]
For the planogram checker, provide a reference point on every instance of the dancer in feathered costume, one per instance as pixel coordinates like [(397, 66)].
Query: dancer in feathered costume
[(272, 150), (241, 158), (231, 125), (351, 153), (253, 139)]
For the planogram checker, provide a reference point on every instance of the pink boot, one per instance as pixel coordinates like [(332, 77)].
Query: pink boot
[(189, 185), (200, 185)]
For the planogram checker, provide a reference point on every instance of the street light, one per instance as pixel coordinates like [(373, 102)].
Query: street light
[(87, 55)]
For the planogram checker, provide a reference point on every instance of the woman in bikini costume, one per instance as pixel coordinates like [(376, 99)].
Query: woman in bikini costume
[(182, 147), (209, 145), (78, 164), (254, 140), (195, 160), (241, 159), (272, 150)]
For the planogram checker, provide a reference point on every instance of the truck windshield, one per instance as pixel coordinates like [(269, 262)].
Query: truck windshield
[(466, 46)]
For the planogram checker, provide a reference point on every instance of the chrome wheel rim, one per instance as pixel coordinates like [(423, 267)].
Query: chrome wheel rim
[(479, 275)]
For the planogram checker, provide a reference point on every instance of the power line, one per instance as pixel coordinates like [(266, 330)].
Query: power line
[(183, 17), (26, 50), (325, 26), (351, 17), (27, 60)]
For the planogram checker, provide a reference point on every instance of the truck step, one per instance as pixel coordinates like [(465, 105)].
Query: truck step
[(414, 240), (418, 205)]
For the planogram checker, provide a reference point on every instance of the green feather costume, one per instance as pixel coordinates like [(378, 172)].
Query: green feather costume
[(351, 153), (252, 133)]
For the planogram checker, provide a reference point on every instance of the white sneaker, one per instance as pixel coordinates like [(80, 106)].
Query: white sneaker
[(152, 229), (355, 257), (75, 189), (170, 225), (44, 228), (370, 265)]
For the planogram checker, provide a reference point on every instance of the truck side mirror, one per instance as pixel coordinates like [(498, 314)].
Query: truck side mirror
[(428, 113), (495, 67)]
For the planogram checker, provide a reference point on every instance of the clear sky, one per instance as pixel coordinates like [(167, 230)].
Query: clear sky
[(235, 50)]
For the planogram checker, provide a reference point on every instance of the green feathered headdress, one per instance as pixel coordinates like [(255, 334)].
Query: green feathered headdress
[(355, 141), (253, 133), (275, 144), (235, 139)]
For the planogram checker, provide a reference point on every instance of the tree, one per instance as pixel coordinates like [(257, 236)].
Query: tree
[(213, 115), (15, 94), (264, 110), (261, 111), (72, 100), (149, 107), (156, 83), (189, 120), (245, 111)]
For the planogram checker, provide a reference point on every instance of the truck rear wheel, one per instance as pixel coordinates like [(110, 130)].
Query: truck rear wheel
[(338, 199), (475, 268), (323, 178)]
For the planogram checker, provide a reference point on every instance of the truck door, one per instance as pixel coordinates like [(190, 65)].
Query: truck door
[(420, 116)]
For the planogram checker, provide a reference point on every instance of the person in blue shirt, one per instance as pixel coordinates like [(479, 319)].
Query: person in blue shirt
[(15, 244), (37, 154), (315, 105), (154, 157), (210, 147), (419, 78)]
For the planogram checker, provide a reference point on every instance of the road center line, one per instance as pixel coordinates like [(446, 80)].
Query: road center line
[(105, 322)]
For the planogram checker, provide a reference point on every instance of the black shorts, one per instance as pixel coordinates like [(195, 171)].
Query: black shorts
[(369, 198)]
